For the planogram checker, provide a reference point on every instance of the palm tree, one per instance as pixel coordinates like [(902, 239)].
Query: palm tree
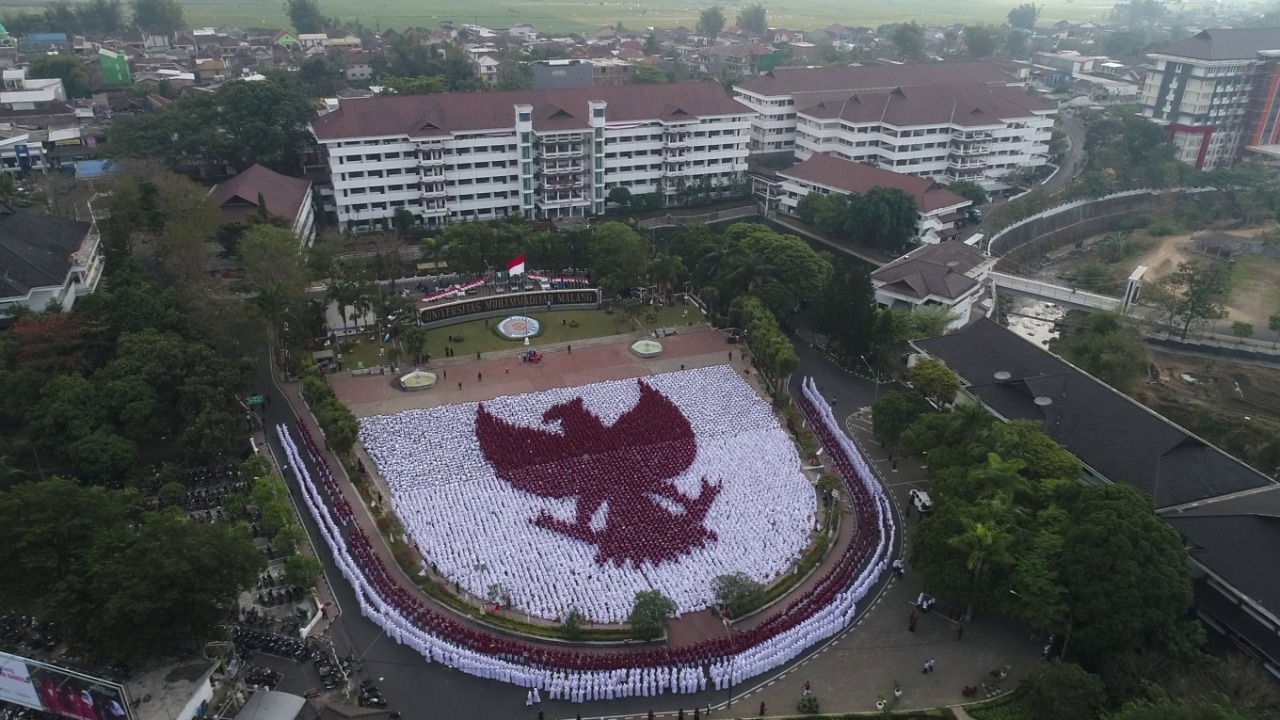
[(342, 292), (273, 303), (751, 272), (716, 256), (665, 271), (983, 545)]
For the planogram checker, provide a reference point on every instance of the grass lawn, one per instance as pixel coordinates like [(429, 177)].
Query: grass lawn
[(574, 15), (479, 337)]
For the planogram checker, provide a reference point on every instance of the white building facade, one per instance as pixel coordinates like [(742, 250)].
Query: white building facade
[(945, 133), (779, 95), (545, 155)]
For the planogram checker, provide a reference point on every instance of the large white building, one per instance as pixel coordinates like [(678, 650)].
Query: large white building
[(1217, 93), (780, 94), (943, 132), (536, 154), (46, 262)]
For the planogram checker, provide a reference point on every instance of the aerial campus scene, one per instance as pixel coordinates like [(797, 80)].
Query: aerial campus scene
[(552, 360)]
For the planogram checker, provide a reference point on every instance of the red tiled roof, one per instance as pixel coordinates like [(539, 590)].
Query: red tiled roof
[(283, 195), (932, 270), (417, 115), (790, 80), (852, 177), (967, 105)]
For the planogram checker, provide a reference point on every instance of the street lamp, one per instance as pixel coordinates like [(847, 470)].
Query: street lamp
[(875, 374)]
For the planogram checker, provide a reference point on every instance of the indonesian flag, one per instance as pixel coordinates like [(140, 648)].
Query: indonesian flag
[(516, 267)]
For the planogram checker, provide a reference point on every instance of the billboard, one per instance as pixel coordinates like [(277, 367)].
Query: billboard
[(60, 691)]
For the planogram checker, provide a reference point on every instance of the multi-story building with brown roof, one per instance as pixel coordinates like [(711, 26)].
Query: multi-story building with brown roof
[(977, 132), (778, 95), (536, 154), (937, 208)]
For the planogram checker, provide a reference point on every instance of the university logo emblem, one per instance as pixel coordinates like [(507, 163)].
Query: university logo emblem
[(625, 469)]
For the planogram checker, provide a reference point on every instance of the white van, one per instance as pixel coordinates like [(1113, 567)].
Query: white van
[(920, 499)]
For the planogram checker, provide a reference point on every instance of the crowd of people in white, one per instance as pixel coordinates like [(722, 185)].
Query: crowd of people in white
[(820, 613), (481, 532)]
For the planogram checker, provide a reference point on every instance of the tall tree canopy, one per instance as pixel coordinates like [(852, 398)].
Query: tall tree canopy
[(306, 16), (240, 124), (158, 16), (711, 21), (1024, 16), (68, 68), (755, 18)]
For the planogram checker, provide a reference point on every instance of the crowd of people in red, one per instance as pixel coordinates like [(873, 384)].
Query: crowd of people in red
[(866, 548)]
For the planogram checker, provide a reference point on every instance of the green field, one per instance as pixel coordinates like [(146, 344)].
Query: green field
[(477, 337), (571, 15)]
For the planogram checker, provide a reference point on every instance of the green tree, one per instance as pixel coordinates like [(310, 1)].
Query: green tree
[(1063, 691), (737, 592), (1273, 324), (421, 85), (1125, 571), (969, 190), (158, 16), (755, 18), (1024, 16), (305, 15), (908, 38), (1107, 346), (650, 613), (1199, 289), (414, 340), (1165, 708), (302, 570), (894, 412), (934, 380), (103, 456), (711, 22), (517, 77), (982, 40), (66, 67), (618, 256), (651, 45), (573, 623), (140, 590), (883, 218), (844, 311), (620, 196), (647, 75), (1241, 329)]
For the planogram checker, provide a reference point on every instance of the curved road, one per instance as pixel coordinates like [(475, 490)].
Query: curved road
[(422, 689)]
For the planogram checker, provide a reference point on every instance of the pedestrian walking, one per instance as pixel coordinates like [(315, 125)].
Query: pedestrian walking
[(960, 632), (930, 663), (730, 356), (680, 715), (477, 354), (479, 377), (570, 349), (681, 367), (806, 687), (650, 715), (761, 708), (708, 708), (924, 668), (459, 386), (697, 714), (445, 375), (833, 401), (541, 716)]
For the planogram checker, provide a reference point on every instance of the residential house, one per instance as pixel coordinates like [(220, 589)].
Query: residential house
[(951, 275), (313, 42), (562, 74), (46, 261), (261, 189), (542, 154), (287, 40), (359, 66), (44, 42), (344, 39), (26, 93), (22, 151), (114, 68)]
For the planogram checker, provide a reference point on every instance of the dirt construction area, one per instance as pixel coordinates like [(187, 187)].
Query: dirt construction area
[(1255, 280)]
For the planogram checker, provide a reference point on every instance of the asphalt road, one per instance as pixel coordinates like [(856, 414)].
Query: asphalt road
[(1074, 129), (421, 689)]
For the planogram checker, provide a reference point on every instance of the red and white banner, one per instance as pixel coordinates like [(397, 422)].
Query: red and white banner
[(516, 267)]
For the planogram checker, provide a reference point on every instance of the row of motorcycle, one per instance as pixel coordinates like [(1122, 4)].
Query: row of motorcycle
[(249, 639), (27, 632)]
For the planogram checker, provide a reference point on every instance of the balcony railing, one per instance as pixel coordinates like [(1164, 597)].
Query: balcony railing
[(965, 163), (430, 160), (563, 201), (554, 153), (432, 191)]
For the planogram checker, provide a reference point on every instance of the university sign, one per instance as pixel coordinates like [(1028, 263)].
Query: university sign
[(497, 303)]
